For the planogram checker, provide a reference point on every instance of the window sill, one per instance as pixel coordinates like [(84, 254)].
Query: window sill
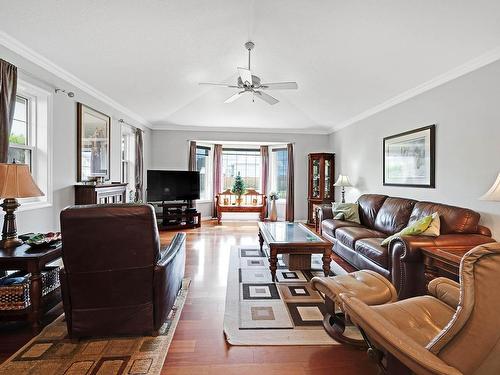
[(204, 201), (28, 206)]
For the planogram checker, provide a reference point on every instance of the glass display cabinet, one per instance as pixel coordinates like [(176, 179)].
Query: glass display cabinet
[(320, 177)]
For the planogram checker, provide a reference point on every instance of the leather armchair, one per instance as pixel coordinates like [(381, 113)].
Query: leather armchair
[(453, 331), (116, 279)]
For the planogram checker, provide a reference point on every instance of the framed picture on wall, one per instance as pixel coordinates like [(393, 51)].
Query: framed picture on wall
[(409, 158), (93, 144)]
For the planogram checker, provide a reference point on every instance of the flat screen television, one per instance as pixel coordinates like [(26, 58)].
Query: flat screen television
[(173, 185)]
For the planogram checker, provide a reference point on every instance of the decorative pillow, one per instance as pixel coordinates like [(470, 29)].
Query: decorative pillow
[(434, 228), (350, 211), (339, 216), (417, 227)]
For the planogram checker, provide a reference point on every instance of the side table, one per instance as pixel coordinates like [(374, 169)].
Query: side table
[(442, 262), (33, 261)]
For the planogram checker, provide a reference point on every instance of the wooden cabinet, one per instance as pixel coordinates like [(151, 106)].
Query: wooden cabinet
[(321, 180), (100, 194)]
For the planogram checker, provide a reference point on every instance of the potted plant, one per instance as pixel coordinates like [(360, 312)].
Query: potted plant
[(273, 215), (238, 188)]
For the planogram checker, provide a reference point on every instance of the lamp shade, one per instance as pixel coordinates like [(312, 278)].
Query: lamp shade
[(494, 193), (16, 182), (343, 181)]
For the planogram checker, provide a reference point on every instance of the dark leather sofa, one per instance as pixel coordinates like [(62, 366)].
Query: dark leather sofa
[(401, 261), (116, 279)]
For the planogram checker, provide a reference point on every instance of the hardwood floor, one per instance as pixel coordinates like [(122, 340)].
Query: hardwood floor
[(199, 346)]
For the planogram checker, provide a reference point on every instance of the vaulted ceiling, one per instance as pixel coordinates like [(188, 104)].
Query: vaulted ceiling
[(347, 56)]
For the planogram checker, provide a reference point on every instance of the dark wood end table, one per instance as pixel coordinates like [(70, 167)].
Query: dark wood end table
[(33, 261), (442, 262), (297, 242)]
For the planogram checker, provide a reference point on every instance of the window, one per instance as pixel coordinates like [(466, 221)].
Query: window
[(31, 138), (128, 160), (246, 163), (279, 171), (203, 166), (21, 139)]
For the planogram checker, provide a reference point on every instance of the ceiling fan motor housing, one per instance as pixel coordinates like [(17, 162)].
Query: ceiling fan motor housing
[(255, 83)]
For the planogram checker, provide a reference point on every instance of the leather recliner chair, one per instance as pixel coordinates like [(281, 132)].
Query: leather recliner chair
[(116, 280), (401, 261), (454, 331)]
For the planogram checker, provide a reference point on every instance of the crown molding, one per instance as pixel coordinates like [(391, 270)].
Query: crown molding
[(239, 129), (24, 51), (454, 73)]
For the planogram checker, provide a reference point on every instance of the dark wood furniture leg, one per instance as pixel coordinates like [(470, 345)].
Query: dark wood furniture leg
[(327, 258), (273, 262), (35, 297)]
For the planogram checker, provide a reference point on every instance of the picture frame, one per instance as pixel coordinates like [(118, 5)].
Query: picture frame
[(409, 158), (93, 144)]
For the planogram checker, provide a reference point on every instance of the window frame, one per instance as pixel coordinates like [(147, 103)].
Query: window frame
[(227, 150), (209, 175), (273, 170), (40, 124), (128, 161)]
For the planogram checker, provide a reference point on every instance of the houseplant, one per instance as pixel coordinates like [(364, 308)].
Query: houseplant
[(273, 215), (238, 188)]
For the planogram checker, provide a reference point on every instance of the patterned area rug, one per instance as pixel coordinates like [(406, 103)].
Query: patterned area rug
[(260, 312), (53, 353)]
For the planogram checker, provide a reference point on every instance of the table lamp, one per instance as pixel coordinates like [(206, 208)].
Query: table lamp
[(494, 193), (344, 182), (15, 182)]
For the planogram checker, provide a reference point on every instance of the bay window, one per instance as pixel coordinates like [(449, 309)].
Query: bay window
[(204, 166), (246, 163), (279, 171)]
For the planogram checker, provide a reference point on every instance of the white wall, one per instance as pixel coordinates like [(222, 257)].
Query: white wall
[(64, 144), (466, 112), (170, 151)]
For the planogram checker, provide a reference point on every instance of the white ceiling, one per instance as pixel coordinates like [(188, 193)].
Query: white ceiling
[(347, 56)]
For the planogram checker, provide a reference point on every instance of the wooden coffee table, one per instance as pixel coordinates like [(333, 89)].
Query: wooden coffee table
[(296, 242)]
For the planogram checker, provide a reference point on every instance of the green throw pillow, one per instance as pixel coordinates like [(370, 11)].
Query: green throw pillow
[(413, 229), (349, 210)]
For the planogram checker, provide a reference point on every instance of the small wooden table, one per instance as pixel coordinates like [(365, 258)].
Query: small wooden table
[(33, 261), (297, 242), (442, 262)]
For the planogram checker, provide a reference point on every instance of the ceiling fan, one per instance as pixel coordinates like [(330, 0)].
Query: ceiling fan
[(249, 83)]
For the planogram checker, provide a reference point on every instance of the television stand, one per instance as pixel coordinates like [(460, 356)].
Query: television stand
[(176, 215)]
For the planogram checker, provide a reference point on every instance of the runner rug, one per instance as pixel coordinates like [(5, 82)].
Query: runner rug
[(53, 353), (260, 312)]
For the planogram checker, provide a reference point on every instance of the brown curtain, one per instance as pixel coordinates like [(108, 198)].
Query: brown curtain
[(192, 156), (289, 185), (217, 185), (8, 90), (139, 166), (264, 153)]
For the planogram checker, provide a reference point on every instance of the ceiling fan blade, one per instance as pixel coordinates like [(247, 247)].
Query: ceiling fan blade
[(217, 84), (266, 97), (280, 86), (245, 75), (234, 97)]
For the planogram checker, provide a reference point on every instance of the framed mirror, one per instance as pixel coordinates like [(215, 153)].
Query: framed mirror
[(93, 144)]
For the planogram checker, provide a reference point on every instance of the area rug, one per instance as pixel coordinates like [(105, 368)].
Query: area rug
[(53, 353), (261, 312)]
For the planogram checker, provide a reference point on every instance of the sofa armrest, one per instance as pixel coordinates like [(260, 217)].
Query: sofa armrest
[(389, 337), (485, 231), (445, 290), (406, 263), (168, 276), (325, 212)]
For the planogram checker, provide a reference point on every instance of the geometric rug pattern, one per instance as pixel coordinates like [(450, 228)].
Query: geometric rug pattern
[(53, 352), (274, 311)]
